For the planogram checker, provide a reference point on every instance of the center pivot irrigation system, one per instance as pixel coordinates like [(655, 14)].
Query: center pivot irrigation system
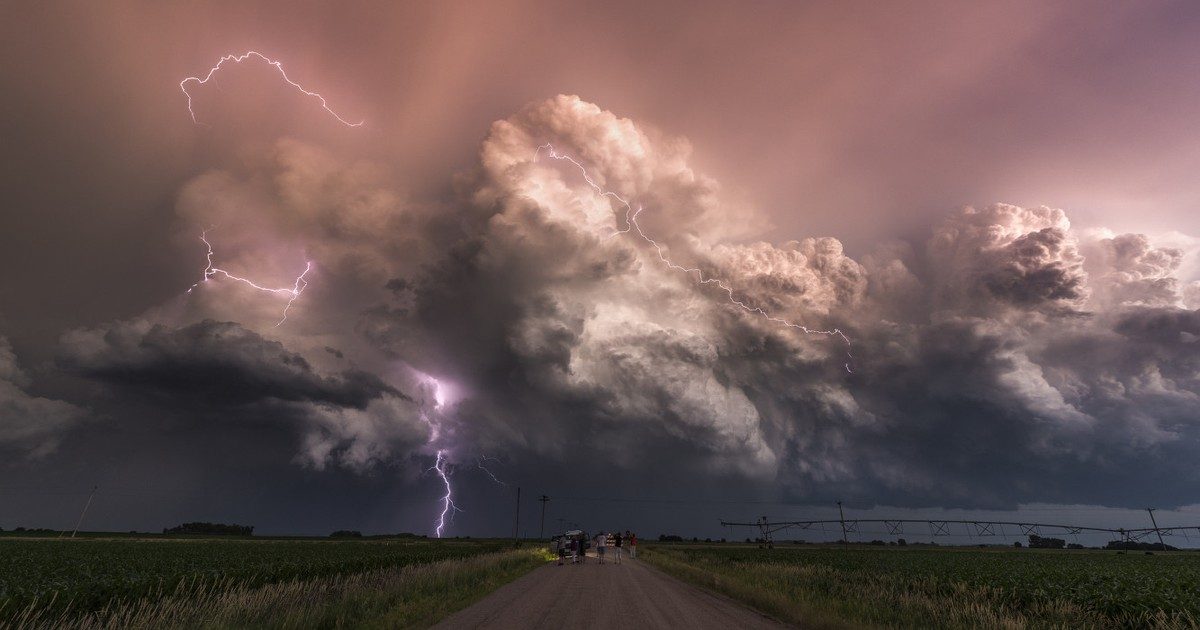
[(970, 528)]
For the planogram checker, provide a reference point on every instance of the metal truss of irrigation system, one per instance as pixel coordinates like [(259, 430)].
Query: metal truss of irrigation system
[(972, 528)]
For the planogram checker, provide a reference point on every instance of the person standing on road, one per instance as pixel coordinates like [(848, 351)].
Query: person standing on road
[(617, 547), (601, 543), (561, 544), (632, 538)]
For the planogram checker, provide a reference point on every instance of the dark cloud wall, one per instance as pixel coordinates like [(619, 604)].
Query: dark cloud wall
[(32, 425), (474, 297)]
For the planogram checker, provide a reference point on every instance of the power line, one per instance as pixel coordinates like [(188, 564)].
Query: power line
[(542, 528)]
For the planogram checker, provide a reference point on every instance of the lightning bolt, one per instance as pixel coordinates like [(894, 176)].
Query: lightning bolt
[(479, 463), (631, 225), (448, 507), (440, 463), (211, 270), (292, 294), (183, 85)]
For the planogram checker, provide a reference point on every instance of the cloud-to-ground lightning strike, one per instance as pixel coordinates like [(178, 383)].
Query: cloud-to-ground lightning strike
[(631, 224), (448, 507), (183, 85), (440, 463), (292, 294)]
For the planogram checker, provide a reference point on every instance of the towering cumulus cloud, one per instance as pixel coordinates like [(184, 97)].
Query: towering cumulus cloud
[(1007, 357)]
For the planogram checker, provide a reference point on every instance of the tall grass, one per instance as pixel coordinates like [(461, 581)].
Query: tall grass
[(400, 597), (828, 595)]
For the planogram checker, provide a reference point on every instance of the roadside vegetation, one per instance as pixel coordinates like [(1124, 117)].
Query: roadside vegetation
[(828, 587), (247, 583)]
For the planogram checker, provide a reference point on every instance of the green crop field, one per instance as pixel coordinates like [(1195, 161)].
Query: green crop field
[(98, 583), (959, 588)]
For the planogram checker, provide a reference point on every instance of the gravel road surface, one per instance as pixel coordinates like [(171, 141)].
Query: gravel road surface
[(627, 595)]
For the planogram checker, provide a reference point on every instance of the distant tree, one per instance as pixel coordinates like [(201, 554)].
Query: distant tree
[(747, 540), (1074, 546), (1017, 544), (1130, 545), (669, 538), (211, 529), (1039, 542), (40, 531), (346, 533), (901, 542)]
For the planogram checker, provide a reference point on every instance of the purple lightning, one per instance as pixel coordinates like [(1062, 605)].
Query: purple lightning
[(631, 224), (448, 506), (479, 463), (440, 463), (293, 293), (278, 66)]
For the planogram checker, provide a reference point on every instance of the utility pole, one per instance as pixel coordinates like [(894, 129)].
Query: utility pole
[(842, 518), (517, 518), (1155, 523), (84, 512), (542, 528)]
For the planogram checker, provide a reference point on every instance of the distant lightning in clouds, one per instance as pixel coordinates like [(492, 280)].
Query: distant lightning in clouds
[(300, 283), (631, 224), (183, 85), (479, 464), (292, 294)]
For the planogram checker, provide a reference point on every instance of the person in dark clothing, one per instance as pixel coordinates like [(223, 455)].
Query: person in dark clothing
[(617, 547)]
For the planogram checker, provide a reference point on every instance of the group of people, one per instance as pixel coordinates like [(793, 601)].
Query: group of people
[(573, 545)]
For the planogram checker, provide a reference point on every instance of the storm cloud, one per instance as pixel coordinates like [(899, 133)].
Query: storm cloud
[(1007, 358), (220, 369), (29, 424), (470, 295)]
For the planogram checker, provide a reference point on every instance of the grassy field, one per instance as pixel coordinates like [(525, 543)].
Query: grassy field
[(158, 583), (948, 588)]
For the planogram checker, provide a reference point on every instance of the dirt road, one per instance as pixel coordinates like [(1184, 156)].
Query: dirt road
[(629, 595)]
